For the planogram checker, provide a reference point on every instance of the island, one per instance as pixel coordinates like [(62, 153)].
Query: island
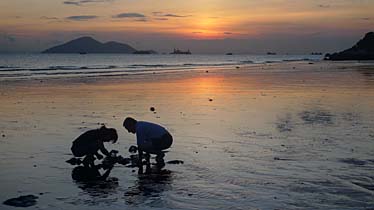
[(177, 51), (84, 45), (362, 50)]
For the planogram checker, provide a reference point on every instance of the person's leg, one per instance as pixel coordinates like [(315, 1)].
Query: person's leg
[(160, 159), (147, 158)]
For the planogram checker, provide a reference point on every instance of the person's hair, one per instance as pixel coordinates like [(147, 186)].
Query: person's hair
[(110, 132), (128, 121)]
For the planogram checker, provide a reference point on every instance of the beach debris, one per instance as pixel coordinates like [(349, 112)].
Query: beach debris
[(22, 201), (207, 71), (152, 109), (237, 67), (3, 135), (175, 162), (353, 161), (210, 99)]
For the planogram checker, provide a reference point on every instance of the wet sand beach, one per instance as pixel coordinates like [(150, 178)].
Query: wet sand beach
[(292, 135)]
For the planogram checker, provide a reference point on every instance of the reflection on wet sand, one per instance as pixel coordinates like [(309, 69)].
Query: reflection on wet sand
[(149, 187), (270, 139), (98, 187)]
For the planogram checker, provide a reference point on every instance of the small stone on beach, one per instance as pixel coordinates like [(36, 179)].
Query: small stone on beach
[(175, 162), (152, 109), (210, 99), (22, 201)]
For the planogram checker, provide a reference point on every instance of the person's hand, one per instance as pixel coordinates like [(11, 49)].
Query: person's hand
[(99, 156)]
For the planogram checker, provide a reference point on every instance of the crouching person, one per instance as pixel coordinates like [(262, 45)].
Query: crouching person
[(150, 138), (89, 143)]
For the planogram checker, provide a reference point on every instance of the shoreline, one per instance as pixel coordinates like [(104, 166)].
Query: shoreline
[(247, 69)]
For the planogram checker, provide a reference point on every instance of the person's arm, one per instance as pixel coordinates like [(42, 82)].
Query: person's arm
[(98, 156), (103, 150)]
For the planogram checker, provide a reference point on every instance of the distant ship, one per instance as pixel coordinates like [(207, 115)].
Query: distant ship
[(144, 52), (229, 54), (177, 51), (316, 53), (271, 53)]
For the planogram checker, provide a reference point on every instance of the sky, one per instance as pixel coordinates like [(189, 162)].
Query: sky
[(203, 26)]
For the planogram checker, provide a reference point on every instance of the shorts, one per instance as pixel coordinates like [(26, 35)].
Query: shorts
[(159, 144)]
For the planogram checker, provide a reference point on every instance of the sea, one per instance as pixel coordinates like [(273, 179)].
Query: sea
[(37, 65)]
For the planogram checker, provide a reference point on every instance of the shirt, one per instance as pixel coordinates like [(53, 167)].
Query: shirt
[(146, 131)]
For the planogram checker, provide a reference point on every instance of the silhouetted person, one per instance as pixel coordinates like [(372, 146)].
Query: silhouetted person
[(89, 143), (151, 138)]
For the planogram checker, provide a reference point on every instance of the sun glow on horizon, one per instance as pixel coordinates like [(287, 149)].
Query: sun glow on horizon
[(23, 22)]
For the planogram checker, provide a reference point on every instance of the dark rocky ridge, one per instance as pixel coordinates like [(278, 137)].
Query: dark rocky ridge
[(362, 50), (90, 45)]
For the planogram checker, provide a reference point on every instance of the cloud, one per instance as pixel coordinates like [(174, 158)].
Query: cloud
[(197, 32), (161, 18), (365, 18), (161, 14), (72, 3), (129, 15), (82, 2), (324, 6), (48, 18), (82, 17), (227, 33), (174, 15)]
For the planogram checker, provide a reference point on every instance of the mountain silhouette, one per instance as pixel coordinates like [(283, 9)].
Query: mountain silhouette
[(89, 45), (362, 50)]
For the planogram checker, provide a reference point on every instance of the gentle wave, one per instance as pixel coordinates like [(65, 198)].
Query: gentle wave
[(134, 66), (24, 66)]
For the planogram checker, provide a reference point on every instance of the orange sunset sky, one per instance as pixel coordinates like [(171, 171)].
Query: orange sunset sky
[(204, 26)]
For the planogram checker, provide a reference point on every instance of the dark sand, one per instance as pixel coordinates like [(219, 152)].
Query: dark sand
[(280, 136)]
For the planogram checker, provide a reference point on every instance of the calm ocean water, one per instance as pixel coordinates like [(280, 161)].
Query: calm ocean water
[(23, 66)]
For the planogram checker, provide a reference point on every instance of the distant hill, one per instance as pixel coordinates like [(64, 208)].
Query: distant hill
[(362, 50), (89, 45)]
